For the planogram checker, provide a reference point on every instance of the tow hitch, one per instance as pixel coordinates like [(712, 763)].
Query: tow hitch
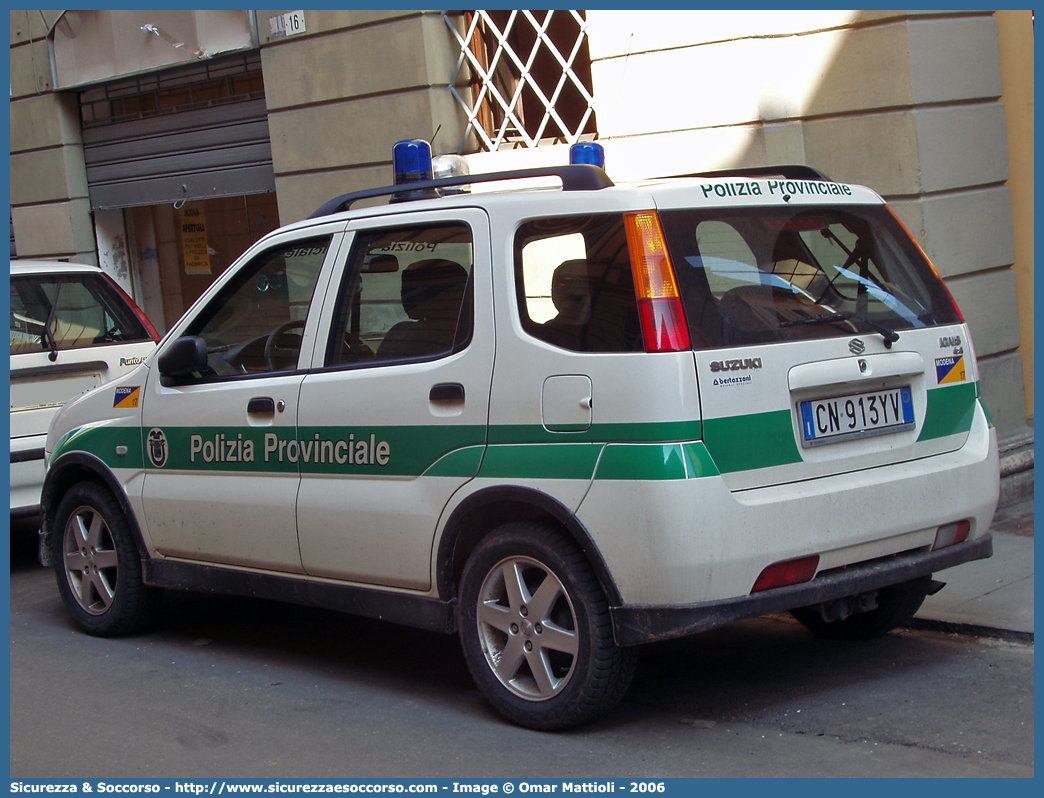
[(839, 609)]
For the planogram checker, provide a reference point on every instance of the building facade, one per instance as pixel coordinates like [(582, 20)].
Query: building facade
[(161, 144)]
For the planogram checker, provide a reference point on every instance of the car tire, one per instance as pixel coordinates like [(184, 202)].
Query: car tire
[(895, 606), (97, 564), (536, 631)]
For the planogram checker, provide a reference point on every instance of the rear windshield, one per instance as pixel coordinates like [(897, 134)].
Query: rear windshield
[(760, 275), (88, 312)]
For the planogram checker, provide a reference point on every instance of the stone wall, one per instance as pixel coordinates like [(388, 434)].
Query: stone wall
[(49, 204), (342, 93)]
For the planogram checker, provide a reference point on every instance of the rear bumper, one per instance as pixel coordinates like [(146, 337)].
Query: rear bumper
[(633, 625), (689, 542)]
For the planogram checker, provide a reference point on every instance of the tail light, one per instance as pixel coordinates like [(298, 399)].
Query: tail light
[(790, 572), (137, 311), (659, 303)]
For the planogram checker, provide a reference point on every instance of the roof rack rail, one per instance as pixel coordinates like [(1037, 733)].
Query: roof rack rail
[(789, 171), (574, 177)]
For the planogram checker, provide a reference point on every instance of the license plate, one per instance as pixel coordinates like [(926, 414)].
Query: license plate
[(857, 415)]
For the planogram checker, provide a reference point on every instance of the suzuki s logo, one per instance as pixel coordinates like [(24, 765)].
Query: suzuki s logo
[(856, 346), (736, 365), (157, 447)]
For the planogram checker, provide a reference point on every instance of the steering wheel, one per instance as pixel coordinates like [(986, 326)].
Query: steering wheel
[(271, 345)]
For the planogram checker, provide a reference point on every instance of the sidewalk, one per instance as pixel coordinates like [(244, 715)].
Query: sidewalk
[(991, 597)]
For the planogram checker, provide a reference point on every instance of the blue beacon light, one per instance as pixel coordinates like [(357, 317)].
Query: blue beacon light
[(589, 152), (412, 161)]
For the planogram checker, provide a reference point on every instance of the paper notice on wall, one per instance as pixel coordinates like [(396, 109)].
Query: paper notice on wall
[(194, 248)]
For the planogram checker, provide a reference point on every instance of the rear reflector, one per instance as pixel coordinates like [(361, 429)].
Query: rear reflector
[(659, 303), (951, 533), (791, 572)]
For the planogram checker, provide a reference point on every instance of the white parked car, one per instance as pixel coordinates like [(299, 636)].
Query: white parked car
[(72, 329), (558, 422)]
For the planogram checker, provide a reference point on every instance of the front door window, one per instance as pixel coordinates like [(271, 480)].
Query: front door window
[(255, 324)]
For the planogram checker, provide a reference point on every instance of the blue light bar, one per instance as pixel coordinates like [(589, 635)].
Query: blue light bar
[(590, 152), (412, 161)]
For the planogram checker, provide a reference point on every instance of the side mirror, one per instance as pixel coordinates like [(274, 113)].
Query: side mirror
[(187, 354)]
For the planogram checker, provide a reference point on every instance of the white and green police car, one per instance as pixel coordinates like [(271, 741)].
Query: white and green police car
[(560, 422)]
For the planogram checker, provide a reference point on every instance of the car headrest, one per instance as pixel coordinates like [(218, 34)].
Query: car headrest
[(429, 284), (571, 290)]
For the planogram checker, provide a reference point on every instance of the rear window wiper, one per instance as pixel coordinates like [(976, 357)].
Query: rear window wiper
[(890, 336), (49, 338)]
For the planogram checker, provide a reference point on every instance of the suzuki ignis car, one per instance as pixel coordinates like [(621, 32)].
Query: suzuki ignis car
[(559, 422)]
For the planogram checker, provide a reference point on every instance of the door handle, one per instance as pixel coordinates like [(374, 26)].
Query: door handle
[(261, 404), (446, 392)]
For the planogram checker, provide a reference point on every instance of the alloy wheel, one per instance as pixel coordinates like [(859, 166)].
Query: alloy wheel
[(90, 560), (527, 628)]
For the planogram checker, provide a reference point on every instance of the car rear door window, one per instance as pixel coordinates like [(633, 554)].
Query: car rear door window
[(82, 311), (406, 296), (574, 284)]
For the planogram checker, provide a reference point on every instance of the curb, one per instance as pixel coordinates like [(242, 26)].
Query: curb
[(1016, 467), (968, 630), (1015, 488)]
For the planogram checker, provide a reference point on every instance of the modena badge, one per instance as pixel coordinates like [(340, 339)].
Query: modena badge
[(949, 369), (127, 396)]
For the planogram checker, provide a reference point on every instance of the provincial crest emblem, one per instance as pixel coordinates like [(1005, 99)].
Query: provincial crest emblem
[(157, 447)]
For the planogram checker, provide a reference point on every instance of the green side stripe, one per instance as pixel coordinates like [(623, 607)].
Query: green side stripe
[(389, 451), (951, 409), (63, 442), (619, 461), (101, 441), (557, 461), (656, 450), (637, 461), (460, 463), (760, 440), (646, 432), (453, 451), (635, 451), (698, 461), (663, 461), (435, 451)]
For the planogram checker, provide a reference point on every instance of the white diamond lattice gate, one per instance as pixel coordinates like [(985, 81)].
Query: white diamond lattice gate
[(523, 76)]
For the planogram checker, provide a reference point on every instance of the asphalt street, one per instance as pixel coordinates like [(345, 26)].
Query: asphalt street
[(246, 688)]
